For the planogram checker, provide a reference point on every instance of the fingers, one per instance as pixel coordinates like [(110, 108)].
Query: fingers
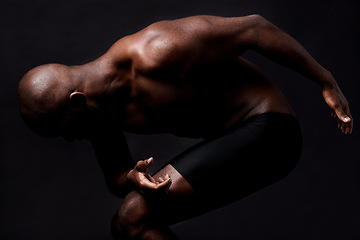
[(151, 179), (145, 183), (143, 166), (347, 127), (333, 114), (164, 183), (345, 122), (148, 186), (340, 107), (342, 116), (165, 180)]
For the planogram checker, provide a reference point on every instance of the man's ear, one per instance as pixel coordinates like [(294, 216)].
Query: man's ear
[(78, 101)]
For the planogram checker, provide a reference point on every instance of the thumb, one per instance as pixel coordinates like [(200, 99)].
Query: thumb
[(144, 165), (342, 116)]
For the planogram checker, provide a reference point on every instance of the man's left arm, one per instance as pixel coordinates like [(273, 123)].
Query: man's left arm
[(210, 39), (278, 46)]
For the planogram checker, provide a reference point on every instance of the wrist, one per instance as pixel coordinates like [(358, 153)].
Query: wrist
[(120, 185), (128, 176), (327, 81)]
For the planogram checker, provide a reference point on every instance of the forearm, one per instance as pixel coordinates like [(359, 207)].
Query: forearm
[(120, 185), (115, 173), (278, 46), (223, 38), (115, 161)]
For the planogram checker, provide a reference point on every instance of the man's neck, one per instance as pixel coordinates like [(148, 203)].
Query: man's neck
[(93, 79), (102, 83)]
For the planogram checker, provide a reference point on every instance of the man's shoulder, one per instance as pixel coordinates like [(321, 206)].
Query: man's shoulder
[(163, 44)]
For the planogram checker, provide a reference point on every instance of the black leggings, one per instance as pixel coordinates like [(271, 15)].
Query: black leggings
[(260, 151)]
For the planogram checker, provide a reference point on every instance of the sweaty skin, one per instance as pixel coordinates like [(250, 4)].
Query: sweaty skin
[(183, 77)]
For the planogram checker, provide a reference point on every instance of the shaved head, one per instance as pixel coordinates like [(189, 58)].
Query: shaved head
[(44, 95)]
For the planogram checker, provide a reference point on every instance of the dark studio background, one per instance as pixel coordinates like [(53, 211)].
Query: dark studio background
[(50, 189)]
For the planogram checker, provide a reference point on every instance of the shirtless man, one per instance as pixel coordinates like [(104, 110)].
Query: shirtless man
[(184, 77)]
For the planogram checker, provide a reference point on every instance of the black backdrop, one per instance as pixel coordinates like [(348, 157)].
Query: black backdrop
[(50, 189)]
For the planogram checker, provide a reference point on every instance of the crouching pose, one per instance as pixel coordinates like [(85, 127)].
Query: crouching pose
[(185, 77)]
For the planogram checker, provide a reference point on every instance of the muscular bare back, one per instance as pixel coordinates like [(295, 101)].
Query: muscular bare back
[(192, 100)]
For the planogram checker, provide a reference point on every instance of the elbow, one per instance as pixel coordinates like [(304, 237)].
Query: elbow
[(259, 31), (258, 21), (256, 17)]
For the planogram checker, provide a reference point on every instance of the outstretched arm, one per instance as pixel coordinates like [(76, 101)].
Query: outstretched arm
[(280, 47), (207, 39), (264, 37)]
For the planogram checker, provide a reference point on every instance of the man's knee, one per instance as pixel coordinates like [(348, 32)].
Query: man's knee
[(129, 221)]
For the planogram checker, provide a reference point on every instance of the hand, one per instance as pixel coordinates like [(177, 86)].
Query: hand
[(146, 183), (339, 106)]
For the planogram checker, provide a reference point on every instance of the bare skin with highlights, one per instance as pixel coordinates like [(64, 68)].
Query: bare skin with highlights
[(185, 77)]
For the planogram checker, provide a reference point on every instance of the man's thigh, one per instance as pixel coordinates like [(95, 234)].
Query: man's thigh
[(237, 163), (226, 168)]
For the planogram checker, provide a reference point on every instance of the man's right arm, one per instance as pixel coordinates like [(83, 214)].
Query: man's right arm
[(114, 158), (121, 173)]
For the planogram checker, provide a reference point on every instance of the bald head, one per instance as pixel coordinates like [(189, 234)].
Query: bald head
[(43, 95)]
